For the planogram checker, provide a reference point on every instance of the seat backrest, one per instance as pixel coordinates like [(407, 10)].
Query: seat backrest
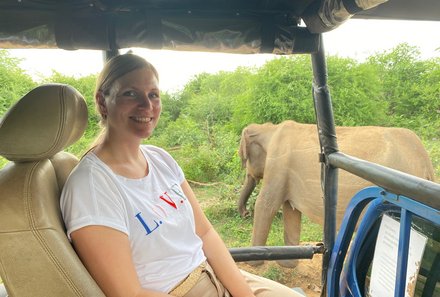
[(36, 258)]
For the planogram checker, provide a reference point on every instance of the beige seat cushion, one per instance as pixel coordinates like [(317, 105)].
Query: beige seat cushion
[(36, 258)]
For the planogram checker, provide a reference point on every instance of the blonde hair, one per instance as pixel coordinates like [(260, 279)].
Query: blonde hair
[(117, 67)]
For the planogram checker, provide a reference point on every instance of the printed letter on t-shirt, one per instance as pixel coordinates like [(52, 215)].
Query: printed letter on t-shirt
[(168, 200), (144, 224)]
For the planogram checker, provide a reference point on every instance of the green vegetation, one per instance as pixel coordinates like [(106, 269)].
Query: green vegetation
[(201, 125), (219, 203)]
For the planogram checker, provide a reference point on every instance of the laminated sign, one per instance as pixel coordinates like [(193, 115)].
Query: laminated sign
[(383, 272)]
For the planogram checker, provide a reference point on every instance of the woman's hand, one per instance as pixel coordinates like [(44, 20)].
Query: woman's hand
[(216, 252)]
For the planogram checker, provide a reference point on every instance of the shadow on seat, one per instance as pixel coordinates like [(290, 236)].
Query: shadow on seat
[(36, 258)]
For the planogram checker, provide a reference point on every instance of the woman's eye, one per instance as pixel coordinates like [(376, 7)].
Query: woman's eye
[(130, 93), (153, 95)]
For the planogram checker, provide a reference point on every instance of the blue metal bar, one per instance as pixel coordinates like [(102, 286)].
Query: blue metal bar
[(375, 210), (343, 281), (402, 255), (416, 208), (351, 216)]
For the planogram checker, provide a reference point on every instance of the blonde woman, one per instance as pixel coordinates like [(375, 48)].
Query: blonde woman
[(131, 215)]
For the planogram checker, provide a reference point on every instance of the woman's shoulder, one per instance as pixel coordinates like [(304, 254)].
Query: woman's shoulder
[(160, 157), (88, 167), (156, 151)]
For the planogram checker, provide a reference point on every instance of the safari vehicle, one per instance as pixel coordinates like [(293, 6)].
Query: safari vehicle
[(36, 259)]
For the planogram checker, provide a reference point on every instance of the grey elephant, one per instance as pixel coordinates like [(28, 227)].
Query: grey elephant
[(285, 156)]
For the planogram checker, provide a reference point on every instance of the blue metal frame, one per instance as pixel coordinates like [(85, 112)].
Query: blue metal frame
[(342, 272)]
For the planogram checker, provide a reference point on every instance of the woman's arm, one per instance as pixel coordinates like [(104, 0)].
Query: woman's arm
[(106, 254), (215, 250)]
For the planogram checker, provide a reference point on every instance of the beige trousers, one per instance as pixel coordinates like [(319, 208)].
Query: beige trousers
[(209, 286)]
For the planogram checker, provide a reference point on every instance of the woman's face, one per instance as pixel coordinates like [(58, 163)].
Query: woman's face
[(133, 105)]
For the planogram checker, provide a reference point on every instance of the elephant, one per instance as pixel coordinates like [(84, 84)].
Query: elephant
[(285, 157)]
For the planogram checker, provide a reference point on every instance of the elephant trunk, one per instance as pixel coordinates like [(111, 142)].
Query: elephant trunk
[(249, 185)]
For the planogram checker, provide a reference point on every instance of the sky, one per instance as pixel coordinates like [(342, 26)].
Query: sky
[(356, 39)]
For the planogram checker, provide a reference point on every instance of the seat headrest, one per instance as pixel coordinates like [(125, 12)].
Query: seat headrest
[(45, 121)]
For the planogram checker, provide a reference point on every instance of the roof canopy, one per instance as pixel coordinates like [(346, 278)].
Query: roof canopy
[(238, 26)]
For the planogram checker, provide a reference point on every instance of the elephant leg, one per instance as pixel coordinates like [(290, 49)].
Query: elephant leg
[(249, 185), (266, 207), (292, 231)]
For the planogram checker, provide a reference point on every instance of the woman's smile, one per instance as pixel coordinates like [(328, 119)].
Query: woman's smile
[(142, 119)]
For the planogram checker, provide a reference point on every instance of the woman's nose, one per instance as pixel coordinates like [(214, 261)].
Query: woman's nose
[(144, 101)]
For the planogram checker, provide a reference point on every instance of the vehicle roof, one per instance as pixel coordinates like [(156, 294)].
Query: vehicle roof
[(239, 26)]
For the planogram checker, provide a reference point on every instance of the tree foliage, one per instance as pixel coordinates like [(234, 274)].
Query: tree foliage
[(392, 88), (411, 88), (201, 124), (14, 82), (282, 90), (356, 93)]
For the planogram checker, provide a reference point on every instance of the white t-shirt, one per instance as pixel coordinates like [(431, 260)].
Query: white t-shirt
[(153, 211)]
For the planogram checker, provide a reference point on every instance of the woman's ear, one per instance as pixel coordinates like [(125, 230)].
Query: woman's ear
[(100, 103)]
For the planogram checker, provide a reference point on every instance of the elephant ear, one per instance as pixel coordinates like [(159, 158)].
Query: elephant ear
[(242, 151)]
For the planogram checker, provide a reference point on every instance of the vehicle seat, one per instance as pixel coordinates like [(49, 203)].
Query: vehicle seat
[(36, 258)]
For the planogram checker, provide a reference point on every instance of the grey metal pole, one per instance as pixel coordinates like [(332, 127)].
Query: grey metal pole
[(397, 182), (328, 145), (107, 55), (275, 252)]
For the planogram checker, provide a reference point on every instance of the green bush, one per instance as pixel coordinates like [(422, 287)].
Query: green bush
[(14, 82), (281, 89), (433, 148), (199, 163), (3, 162), (182, 132), (204, 156)]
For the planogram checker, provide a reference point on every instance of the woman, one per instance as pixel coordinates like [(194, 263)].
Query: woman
[(131, 215)]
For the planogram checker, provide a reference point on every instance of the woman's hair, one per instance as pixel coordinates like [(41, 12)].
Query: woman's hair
[(115, 68)]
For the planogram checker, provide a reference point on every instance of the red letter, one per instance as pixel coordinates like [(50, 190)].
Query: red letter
[(170, 201)]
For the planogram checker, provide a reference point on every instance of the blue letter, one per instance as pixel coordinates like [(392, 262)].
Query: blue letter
[(149, 231)]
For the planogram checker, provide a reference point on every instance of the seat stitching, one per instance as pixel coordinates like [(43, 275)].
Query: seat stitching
[(37, 234)]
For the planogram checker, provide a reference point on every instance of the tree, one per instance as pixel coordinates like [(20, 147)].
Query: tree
[(411, 88), (14, 82), (357, 93), (399, 70), (281, 89)]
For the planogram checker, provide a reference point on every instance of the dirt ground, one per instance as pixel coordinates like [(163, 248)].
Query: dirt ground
[(307, 275)]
